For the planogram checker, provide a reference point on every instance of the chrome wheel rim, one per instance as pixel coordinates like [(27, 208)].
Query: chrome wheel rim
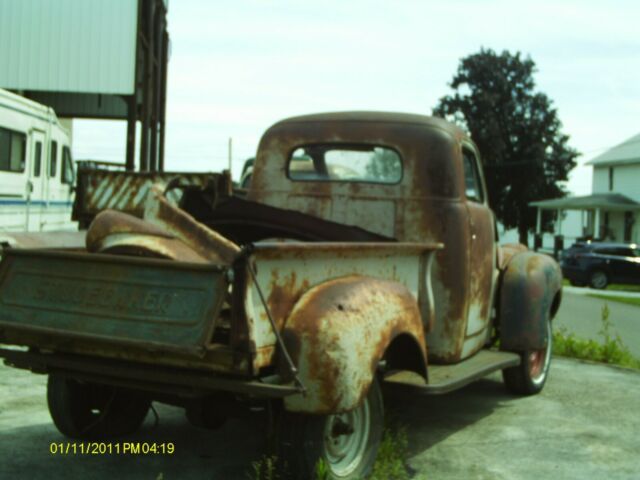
[(539, 360), (345, 440), (598, 279)]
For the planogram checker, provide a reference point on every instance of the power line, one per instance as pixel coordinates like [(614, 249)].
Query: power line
[(629, 142)]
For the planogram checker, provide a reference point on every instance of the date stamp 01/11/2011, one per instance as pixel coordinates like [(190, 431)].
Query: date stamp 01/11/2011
[(108, 448)]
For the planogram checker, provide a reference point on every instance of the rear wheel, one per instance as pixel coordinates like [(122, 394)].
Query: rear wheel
[(529, 377), (344, 444), (88, 410), (598, 279)]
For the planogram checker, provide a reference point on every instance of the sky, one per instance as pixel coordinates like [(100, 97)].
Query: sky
[(236, 67)]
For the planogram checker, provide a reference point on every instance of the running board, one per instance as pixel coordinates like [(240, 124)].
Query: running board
[(446, 378)]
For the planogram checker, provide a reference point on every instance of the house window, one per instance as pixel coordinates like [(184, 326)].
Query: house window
[(610, 179)]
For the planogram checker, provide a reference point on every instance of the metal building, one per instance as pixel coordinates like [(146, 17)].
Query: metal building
[(102, 59)]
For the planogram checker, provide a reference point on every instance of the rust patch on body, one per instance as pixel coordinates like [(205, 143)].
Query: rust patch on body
[(284, 295)]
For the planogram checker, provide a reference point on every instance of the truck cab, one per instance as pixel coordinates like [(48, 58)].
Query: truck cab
[(409, 178)]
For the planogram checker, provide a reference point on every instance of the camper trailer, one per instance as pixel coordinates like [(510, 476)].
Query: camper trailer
[(36, 169)]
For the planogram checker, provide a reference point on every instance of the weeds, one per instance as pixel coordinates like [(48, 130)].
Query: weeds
[(392, 454), (322, 470), (264, 469), (610, 350), (390, 462)]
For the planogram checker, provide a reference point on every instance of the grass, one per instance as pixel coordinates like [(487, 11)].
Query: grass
[(390, 462), (628, 301), (619, 287), (392, 454), (610, 350), (624, 288)]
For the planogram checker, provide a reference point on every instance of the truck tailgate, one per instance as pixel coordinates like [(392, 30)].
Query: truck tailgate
[(156, 305)]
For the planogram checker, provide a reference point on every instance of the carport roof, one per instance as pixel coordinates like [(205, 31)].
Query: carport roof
[(606, 201)]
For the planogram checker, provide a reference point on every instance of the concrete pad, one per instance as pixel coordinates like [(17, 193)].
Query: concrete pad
[(583, 425)]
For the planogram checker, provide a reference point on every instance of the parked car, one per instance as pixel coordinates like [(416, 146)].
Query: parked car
[(599, 264)]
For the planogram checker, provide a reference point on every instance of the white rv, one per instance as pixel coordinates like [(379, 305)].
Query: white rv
[(36, 169)]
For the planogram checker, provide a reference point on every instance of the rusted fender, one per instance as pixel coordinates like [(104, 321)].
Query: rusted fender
[(530, 293), (117, 232), (338, 332), (197, 236)]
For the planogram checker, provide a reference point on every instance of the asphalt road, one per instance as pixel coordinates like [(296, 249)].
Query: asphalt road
[(582, 314), (584, 425)]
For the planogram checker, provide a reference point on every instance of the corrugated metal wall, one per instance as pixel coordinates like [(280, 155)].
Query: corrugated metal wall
[(68, 45)]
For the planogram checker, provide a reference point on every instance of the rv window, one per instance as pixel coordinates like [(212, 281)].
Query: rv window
[(12, 150), (37, 160), (67, 166), (5, 148), (54, 159)]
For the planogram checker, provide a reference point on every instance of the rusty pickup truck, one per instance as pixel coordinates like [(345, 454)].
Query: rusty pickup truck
[(363, 254)]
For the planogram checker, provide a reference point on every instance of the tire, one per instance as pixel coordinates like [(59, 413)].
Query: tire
[(306, 440), (598, 279), (86, 410), (529, 377)]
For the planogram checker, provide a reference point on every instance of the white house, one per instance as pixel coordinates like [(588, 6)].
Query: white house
[(612, 211)]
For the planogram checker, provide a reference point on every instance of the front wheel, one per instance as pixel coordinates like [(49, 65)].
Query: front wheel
[(598, 279), (529, 377), (336, 447)]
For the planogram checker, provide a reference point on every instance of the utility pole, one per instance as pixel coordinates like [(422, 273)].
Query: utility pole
[(230, 155)]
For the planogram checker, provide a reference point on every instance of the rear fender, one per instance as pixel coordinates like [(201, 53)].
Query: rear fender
[(338, 332), (530, 292)]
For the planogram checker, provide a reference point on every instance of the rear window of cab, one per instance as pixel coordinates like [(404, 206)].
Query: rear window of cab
[(345, 163)]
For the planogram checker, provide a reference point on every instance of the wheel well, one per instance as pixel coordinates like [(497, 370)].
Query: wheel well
[(404, 353), (599, 268)]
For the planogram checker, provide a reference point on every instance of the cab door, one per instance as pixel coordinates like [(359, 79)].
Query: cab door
[(482, 253)]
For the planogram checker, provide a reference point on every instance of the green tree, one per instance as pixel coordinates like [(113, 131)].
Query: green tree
[(525, 154), (384, 165)]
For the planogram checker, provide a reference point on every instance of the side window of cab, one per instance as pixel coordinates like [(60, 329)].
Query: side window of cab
[(472, 184)]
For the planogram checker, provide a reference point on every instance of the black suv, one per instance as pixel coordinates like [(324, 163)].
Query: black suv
[(599, 264)]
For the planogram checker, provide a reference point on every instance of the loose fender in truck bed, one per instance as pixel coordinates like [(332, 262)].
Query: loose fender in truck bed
[(146, 304)]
